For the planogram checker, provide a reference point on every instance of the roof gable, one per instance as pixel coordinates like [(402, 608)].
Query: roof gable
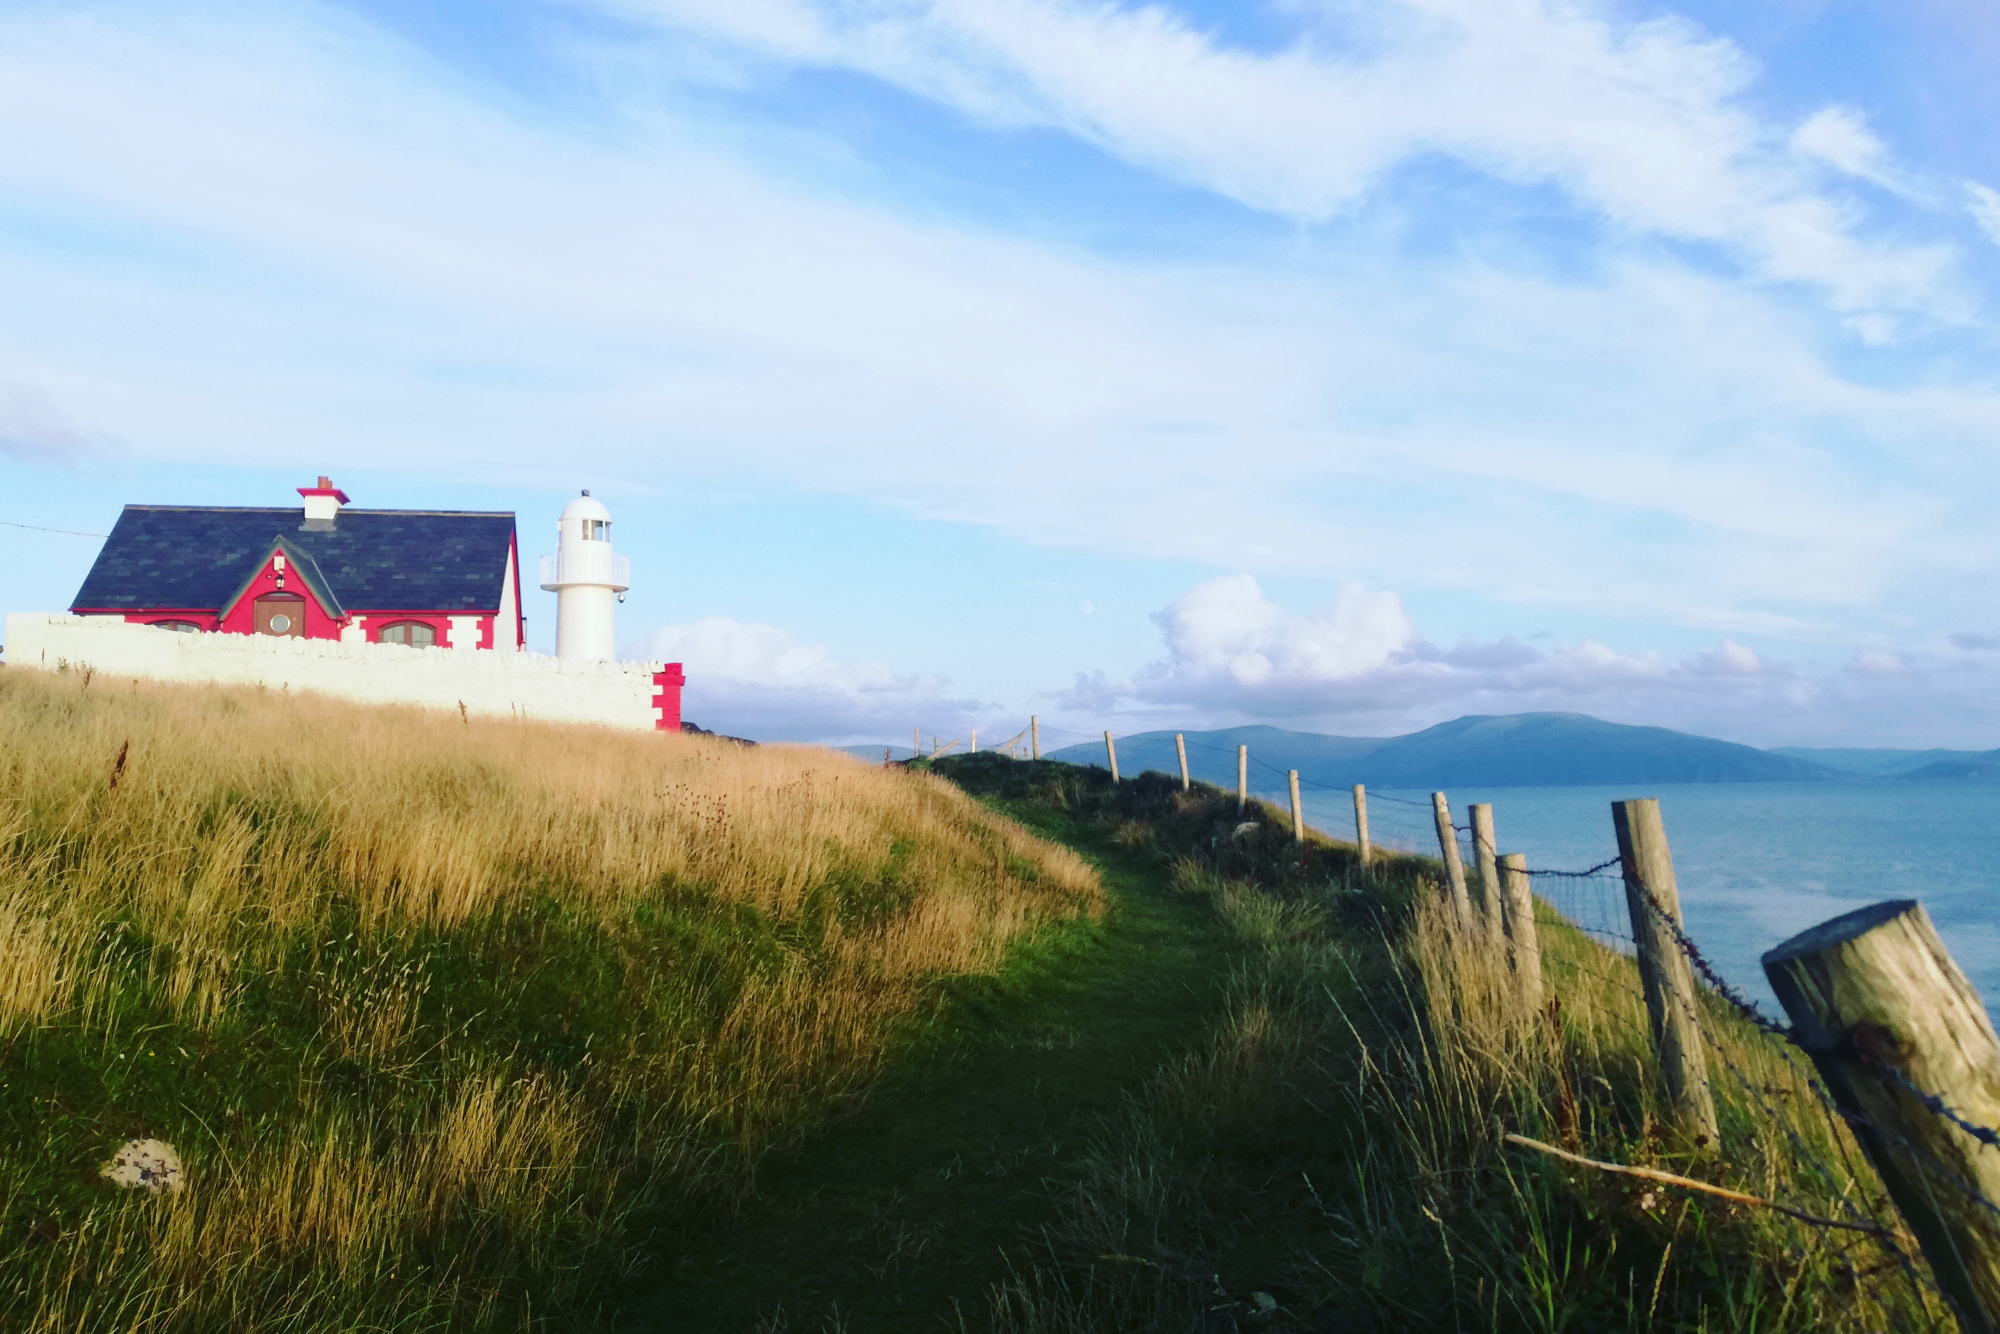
[(164, 556)]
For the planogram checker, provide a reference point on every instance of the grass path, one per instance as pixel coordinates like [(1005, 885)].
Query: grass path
[(904, 1212)]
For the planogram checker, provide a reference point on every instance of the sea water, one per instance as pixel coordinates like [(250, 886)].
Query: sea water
[(1756, 862)]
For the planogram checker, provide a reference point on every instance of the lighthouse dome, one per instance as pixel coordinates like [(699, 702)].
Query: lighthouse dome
[(583, 507)]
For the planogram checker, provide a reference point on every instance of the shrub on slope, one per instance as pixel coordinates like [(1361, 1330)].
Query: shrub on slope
[(432, 1009)]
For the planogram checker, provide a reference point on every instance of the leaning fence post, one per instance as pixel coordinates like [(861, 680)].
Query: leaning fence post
[(1454, 869), (1361, 823), (1298, 815), (1653, 899), (1035, 734), (1880, 1006), (1180, 746), (1242, 780), (1523, 944), (1483, 843), (1111, 750)]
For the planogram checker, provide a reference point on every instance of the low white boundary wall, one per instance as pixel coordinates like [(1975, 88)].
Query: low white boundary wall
[(614, 694)]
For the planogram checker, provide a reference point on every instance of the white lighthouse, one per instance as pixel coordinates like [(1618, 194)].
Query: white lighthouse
[(588, 579)]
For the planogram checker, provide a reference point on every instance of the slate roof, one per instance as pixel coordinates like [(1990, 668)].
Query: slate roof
[(386, 560)]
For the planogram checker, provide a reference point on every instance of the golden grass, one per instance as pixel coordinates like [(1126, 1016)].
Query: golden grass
[(430, 1006)]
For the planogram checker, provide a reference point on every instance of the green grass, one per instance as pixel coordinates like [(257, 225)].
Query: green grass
[(1326, 1154), (911, 1208), (442, 1017)]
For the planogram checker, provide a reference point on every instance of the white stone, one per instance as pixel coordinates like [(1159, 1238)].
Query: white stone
[(145, 1164)]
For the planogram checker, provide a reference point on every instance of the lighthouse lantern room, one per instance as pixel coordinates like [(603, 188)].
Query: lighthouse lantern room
[(588, 579)]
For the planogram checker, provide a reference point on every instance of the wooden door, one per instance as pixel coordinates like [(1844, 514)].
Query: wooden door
[(280, 614)]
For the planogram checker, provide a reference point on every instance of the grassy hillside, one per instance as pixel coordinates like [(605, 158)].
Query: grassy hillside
[(437, 1013), (1329, 1155)]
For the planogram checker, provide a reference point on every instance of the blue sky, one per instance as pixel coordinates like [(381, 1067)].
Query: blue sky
[(1342, 364)]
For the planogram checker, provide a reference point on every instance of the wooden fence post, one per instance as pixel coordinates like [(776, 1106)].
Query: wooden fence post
[(937, 745), (1111, 750), (1035, 734), (1242, 780), (1491, 896), (1454, 869), (1654, 901), (1873, 995), (1180, 745), (1298, 813), (1524, 946), (916, 742), (1361, 823)]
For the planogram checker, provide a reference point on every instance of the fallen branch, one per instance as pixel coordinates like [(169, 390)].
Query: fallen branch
[(1689, 1183)]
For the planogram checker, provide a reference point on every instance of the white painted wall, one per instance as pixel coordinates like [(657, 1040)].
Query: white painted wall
[(614, 694)]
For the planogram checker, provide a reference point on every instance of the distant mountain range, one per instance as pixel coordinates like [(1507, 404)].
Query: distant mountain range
[(1517, 750), (1514, 750), (1901, 763)]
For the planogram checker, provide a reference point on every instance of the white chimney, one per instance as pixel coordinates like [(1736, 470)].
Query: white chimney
[(323, 503)]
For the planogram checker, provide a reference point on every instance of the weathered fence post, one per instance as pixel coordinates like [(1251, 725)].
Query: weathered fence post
[(1111, 750), (937, 745), (916, 742), (1879, 1004), (1242, 780), (1524, 946), (1298, 813), (1035, 734), (1654, 900), (975, 741), (1180, 746), (1454, 869), (1491, 902), (1361, 823)]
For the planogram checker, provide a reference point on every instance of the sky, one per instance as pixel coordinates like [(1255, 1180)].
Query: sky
[(1346, 365)]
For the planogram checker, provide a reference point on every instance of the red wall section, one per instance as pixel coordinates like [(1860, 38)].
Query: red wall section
[(668, 696), (237, 619)]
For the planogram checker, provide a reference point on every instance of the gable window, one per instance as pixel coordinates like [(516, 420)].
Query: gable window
[(185, 627), (279, 614), (416, 634)]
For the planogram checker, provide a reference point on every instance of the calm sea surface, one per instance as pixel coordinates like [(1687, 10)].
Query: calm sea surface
[(1756, 862)]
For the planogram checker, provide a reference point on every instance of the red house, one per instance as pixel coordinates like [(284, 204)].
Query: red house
[(323, 571)]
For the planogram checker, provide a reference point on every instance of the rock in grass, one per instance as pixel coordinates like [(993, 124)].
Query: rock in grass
[(145, 1164)]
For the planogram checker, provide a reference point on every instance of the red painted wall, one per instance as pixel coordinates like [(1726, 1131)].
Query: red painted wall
[(668, 696), (238, 619)]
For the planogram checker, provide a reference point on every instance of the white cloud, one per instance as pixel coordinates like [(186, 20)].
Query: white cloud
[(1983, 201), (1639, 122), (1875, 662), (1359, 665), (33, 429), (746, 679), (1840, 137), (1227, 628)]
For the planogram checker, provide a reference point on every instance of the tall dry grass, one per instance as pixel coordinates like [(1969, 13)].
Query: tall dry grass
[(435, 1009)]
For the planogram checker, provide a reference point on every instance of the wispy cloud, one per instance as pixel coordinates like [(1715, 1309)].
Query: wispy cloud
[(1641, 123)]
